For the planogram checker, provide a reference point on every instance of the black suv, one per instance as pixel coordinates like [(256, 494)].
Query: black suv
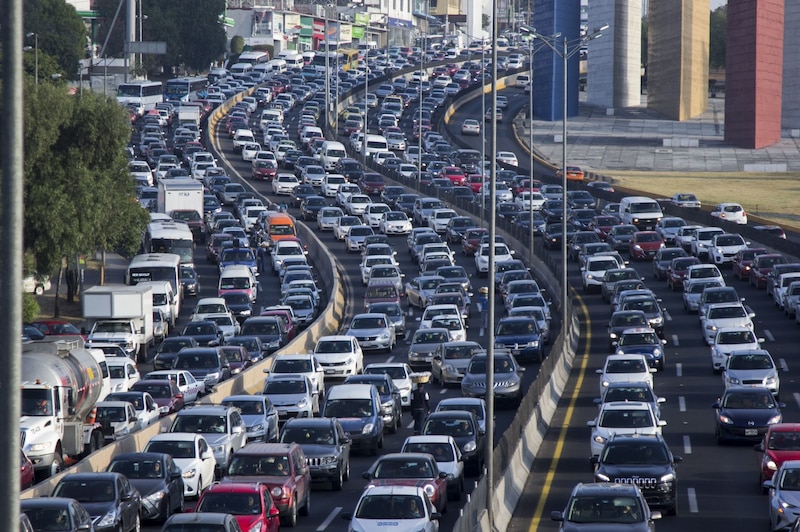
[(644, 461), (325, 445), (601, 505)]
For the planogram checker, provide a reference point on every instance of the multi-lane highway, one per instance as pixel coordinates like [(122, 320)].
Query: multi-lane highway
[(718, 485)]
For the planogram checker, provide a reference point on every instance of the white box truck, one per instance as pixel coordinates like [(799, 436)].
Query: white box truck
[(181, 194), (122, 315)]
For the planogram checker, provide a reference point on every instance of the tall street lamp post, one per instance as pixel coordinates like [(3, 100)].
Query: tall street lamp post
[(565, 49), (36, 52)]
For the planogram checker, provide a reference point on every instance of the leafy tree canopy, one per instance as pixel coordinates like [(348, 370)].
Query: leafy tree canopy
[(61, 34)]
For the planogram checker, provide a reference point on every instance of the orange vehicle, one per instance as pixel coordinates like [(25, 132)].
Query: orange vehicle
[(279, 226), (574, 173)]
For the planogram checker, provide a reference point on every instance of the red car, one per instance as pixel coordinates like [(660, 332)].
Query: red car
[(250, 504), (601, 225), (410, 469), (264, 170), (475, 183), (644, 245), (676, 273), (743, 261), (472, 239), (165, 393), (57, 328), (372, 183), (281, 467), (781, 443), (238, 357), (455, 174), (762, 267), (26, 476)]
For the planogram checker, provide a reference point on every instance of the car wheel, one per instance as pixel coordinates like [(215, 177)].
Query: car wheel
[(346, 473), (306, 509), (674, 509), (290, 519), (39, 290), (394, 425), (182, 506), (336, 483), (199, 487)]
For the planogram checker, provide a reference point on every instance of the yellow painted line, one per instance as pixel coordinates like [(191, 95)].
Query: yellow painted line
[(551, 472)]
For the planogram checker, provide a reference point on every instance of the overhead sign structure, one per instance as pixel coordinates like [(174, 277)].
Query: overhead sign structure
[(148, 47)]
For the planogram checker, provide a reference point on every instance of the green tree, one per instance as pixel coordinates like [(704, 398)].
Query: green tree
[(61, 34), (30, 308), (237, 44), (718, 40)]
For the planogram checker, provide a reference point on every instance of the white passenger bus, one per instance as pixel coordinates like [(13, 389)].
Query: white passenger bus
[(169, 237), (141, 95)]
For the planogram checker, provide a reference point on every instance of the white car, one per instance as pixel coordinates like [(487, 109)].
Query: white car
[(356, 204), (454, 325), (406, 508), (340, 356), (123, 373), (725, 247), (400, 373), (190, 387), (525, 198), (754, 368), (302, 364), (685, 199), (369, 261), (147, 411), (119, 415), (501, 253), (394, 223), (208, 306), (283, 249), (594, 269), (250, 150), (292, 394), (445, 451), (507, 157), (373, 213), (625, 368), (192, 454), (344, 191), (343, 224), (327, 216), (622, 417), (704, 272), (732, 339), (668, 228), (439, 219), (731, 212), (284, 184), (685, 235), (330, 185), (702, 241), (226, 323), (723, 316)]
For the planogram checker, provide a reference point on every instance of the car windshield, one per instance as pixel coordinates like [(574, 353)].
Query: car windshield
[(429, 337), (735, 337), (292, 366), (157, 390), (598, 509), (259, 465), (635, 453), (368, 323), (192, 361), (749, 401), (138, 469), (629, 393), (449, 427), (391, 507), (322, 435), (55, 518), (176, 449), (394, 372), (516, 327), (784, 441), (726, 312), (626, 366), (403, 469), (230, 503), (626, 419), (285, 386), (248, 408), (112, 414), (647, 338), (441, 451), (85, 491), (200, 424)]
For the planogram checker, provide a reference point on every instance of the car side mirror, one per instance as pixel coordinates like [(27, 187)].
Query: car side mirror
[(594, 459), (436, 516), (347, 516), (556, 516), (366, 475), (207, 455), (716, 405), (655, 516), (591, 423)]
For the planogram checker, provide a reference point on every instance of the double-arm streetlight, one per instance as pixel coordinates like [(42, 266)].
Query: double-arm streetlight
[(565, 49)]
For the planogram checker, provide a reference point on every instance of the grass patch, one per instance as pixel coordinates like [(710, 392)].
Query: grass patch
[(772, 196)]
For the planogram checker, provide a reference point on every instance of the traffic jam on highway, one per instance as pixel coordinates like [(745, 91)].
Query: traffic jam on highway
[(383, 424)]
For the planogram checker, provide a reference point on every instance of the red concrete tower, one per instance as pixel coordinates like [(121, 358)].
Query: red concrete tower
[(754, 73)]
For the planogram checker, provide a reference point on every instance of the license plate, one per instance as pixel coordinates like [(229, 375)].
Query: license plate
[(751, 432), (330, 371)]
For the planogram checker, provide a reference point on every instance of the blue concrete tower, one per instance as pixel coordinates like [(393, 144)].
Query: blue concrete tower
[(551, 17)]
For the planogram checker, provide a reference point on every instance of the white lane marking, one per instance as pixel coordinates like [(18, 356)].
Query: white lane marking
[(667, 316), (389, 360), (782, 363), (675, 341), (330, 518), (692, 500), (796, 398), (768, 335), (410, 425), (480, 331), (682, 403), (679, 369), (687, 445), (443, 391)]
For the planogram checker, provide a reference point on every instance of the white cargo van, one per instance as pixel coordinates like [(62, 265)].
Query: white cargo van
[(375, 144), (641, 211), (240, 69), (330, 153), (165, 299), (293, 58), (238, 278), (277, 65), (308, 133)]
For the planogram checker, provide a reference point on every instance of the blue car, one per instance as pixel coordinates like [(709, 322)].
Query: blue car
[(521, 336), (642, 341), (238, 255)]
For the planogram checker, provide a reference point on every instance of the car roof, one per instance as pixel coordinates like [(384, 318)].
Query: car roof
[(204, 409)]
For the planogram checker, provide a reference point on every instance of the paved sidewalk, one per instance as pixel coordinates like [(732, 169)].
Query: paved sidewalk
[(633, 139)]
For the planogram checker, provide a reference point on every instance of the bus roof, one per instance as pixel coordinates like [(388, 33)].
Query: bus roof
[(155, 259), (170, 230)]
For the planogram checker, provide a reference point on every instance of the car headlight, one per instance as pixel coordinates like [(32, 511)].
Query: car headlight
[(384, 336), (601, 477), (612, 335), (599, 439), (387, 405), (734, 381), (256, 527), (769, 381), (163, 410), (534, 343), (40, 446), (155, 497), (774, 419), (725, 419), (369, 427), (669, 477), (235, 371), (277, 492), (190, 473), (771, 465), (657, 321), (657, 353), (107, 520), (430, 490), (302, 403), (212, 376), (469, 447), (605, 384), (448, 368), (328, 460), (122, 432), (218, 449), (785, 504), (275, 344), (245, 312), (256, 428)]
